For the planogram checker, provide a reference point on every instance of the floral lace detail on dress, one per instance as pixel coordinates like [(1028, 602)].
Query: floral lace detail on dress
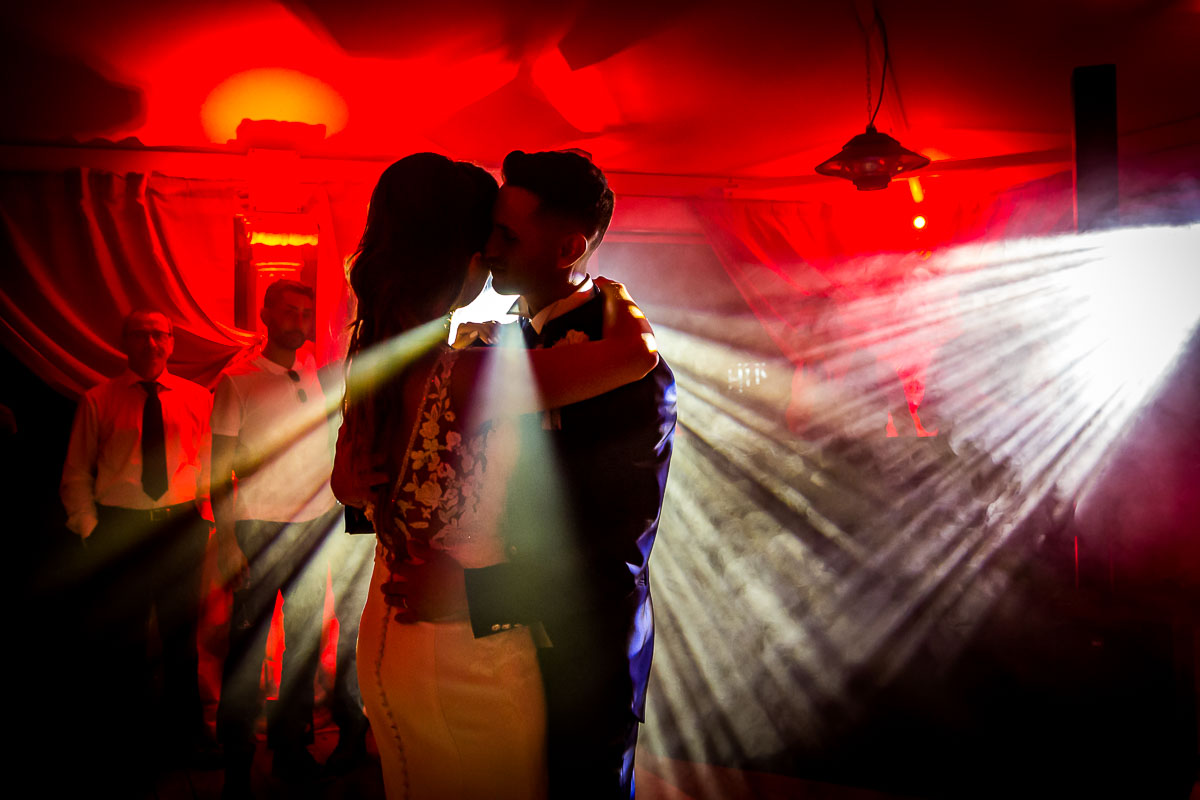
[(438, 486)]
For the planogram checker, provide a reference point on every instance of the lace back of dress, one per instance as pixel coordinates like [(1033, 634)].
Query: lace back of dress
[(435, 488)]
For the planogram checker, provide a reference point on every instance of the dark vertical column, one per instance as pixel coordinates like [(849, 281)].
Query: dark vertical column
[(1094, 96)]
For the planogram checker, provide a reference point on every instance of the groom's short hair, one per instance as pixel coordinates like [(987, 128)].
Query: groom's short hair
[(569, 187)]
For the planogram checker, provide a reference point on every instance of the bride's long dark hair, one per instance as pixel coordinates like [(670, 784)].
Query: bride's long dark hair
[(428, 217)]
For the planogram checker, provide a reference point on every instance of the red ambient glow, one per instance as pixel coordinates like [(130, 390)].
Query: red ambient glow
[(278, 239), (281, 94)]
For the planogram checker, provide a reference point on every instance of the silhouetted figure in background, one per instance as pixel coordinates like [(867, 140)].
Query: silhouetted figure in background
[(135, 486)]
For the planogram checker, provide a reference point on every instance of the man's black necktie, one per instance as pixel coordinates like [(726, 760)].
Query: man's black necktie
[(154, 445)]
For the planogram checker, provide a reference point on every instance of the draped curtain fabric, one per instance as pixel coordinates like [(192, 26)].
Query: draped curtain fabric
[(840, 289), (84, 247)]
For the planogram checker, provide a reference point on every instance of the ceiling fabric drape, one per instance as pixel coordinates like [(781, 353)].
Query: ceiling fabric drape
[(84, 247)]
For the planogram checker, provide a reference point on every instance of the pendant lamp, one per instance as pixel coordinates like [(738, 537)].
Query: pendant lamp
[(870, 160)]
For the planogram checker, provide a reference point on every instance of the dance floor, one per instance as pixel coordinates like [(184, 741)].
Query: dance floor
[(658, 778)]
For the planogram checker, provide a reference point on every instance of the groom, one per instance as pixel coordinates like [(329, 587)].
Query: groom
[(584, 507)]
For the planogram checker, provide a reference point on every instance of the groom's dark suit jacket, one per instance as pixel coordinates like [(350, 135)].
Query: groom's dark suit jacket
[(583, 512)]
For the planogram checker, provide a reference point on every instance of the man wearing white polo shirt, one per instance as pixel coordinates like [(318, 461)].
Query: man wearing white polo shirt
[(270, 429)]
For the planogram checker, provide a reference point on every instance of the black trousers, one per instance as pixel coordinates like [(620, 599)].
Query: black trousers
[(138, 564), (291, 558), (591, 732), (352, 559)]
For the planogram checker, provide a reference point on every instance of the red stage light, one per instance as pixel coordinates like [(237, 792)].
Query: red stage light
[(282, 239), (273, 94), (918, 222), (268, 247), (918, 192)]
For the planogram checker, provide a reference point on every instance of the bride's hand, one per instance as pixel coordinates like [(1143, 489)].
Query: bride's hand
[(470, 332), (622, 317), (428, 586)]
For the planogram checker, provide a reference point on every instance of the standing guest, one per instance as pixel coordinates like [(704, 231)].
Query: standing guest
[(270, 430), (135, 488)]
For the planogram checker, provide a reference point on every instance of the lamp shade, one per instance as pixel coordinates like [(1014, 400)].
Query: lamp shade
[(870, 160)]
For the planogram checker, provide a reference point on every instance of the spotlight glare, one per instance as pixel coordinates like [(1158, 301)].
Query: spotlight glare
[(488, 306), (844, 551)]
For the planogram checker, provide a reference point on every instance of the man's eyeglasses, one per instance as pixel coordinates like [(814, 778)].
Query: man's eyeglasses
[(158, 337), (295, 376)]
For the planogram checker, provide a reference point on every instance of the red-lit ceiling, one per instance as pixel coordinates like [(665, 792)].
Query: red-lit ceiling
[(728, 87)]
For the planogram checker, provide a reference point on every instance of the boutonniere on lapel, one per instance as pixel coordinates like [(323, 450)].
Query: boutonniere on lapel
[(573, 337)]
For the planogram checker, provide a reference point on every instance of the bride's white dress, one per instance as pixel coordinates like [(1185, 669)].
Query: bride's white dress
[(454, 717)]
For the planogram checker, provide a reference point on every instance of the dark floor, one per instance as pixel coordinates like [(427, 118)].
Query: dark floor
[(658, 778), (363, 782)]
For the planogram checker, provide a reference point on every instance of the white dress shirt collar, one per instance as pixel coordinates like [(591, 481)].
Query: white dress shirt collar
[(300, 364), (582, 293), (165, 379)]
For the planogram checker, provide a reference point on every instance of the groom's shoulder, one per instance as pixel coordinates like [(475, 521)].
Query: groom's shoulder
[(587, 318)]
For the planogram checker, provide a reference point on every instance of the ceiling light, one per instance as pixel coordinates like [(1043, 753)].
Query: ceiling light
[(871, 159)]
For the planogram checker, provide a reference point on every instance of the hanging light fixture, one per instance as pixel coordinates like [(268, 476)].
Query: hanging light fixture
[(871, 159)]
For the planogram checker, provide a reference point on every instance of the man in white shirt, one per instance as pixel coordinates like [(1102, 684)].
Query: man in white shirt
[(135, 487), (270, 428)]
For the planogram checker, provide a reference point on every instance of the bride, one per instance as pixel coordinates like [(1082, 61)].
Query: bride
[(426, 447)]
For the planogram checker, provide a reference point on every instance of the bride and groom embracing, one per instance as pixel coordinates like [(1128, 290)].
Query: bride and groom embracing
[(515, 489)]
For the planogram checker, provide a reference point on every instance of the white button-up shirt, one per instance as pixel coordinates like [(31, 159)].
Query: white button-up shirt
[(104, 457)]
